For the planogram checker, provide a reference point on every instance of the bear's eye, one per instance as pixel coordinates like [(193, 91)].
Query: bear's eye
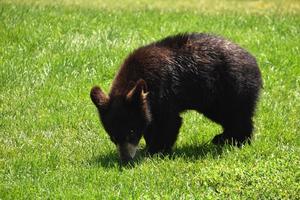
[(131, 131), (131, 135)]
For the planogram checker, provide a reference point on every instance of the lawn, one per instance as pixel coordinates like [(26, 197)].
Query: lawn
[(52, 145)]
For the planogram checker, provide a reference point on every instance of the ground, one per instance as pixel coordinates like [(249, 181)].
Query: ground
[(52, 144)]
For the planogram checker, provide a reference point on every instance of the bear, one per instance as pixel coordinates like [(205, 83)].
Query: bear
[(189, 71)]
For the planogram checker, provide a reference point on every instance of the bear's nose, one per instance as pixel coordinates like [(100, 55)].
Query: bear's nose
[(126, 152)]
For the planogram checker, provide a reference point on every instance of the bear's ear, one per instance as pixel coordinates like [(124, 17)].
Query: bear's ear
[(138, 93), (99, 98)]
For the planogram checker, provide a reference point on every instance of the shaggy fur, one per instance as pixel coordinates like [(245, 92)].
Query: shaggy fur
[(157, 82)]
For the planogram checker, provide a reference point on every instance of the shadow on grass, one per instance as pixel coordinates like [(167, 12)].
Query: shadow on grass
[(189, 152), (109, 160), (198, 151)]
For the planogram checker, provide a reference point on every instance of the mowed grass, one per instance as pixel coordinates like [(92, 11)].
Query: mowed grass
[(53, 146)]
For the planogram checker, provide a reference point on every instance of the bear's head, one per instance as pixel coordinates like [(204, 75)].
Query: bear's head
[(124, 117)]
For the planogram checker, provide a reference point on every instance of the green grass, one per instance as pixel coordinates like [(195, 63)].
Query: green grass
[(53, 146)]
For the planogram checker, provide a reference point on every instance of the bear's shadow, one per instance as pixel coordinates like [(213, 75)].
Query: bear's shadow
[(198, 151), (188, 152)]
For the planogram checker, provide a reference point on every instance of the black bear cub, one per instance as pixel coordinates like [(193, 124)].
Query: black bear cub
[(157, 82)]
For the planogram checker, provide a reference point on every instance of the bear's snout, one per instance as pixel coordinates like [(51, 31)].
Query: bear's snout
[(126, 152)]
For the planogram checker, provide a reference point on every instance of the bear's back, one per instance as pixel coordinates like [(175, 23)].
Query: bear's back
[(195, 62)]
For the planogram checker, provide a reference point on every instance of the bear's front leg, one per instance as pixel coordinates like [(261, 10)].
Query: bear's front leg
[(161, 135)]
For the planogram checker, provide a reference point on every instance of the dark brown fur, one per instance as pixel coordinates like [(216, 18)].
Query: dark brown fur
[(189, 71)]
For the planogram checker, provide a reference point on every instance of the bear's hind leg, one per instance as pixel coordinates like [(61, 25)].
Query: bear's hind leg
[(236, 115), (236, 132)]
